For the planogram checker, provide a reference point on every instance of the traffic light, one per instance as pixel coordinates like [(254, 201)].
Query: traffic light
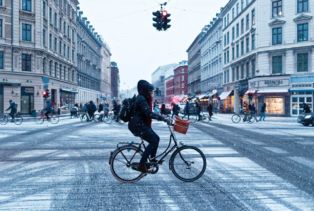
[(165, 20), (46, 93), (158, 20)]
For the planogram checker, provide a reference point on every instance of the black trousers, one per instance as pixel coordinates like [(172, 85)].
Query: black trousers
[(153, 139)]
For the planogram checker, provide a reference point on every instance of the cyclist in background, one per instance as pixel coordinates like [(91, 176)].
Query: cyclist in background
[(12, 109)]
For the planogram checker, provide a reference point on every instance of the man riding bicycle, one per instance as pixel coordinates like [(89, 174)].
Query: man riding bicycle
[(140, 123), (12, 108), (48, 108)]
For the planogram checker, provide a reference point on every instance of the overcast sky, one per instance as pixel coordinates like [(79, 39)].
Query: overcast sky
[(136, 46)]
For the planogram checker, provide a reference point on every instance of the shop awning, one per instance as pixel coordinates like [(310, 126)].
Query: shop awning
[(201, 96), (224, 95), (69, 90), (251, 92), (266, 91)]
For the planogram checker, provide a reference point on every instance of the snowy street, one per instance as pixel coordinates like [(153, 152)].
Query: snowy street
[(65, 167)]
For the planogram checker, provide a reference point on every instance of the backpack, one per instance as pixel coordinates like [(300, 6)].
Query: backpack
[(128, 109)]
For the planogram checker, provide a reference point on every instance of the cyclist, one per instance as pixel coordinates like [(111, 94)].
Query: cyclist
[(91, 108), (175, 109), (140, 123), (48, 108), (12, 109), (116, 110)]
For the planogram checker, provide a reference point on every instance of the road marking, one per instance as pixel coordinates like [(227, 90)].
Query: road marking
[(303, 161), (276, 150), (169, 202)]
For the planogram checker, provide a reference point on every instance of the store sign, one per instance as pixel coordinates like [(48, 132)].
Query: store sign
[(303, 86), (28, 90), (269, 83)]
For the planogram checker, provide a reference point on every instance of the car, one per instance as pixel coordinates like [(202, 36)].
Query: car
[(306, 119)]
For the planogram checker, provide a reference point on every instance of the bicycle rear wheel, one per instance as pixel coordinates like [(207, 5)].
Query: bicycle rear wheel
[(83, 117), (236, 118), (4, 119), (108, 119), (18, 119), (121, 164), (188, 163), (54, 119)]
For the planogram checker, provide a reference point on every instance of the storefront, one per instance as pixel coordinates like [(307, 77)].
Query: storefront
[(302, 91), (67, 97), (227, 101), (273, 91), (27, 100)]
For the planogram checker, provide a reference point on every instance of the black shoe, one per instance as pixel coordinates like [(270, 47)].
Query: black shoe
[(142, 167)]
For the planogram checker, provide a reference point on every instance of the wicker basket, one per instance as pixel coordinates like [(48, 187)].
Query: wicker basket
[(181, 126)]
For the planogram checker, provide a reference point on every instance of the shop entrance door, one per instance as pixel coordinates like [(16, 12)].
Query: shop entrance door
[(27, 100), (297, 102)]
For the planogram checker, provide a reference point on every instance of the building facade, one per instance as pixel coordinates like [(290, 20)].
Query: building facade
[(169, 83), (194, 67), (269, 44), (211, 57), (115, 80), (180, 79), (158, 80), (37, 52), (105, 85)]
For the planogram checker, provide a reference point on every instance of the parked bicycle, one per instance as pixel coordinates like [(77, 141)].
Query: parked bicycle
[(53, 118), (187, 163), (4, 119)]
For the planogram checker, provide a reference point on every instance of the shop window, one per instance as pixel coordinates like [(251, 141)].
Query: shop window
[(277, 64), (275, 105), (302, 62)]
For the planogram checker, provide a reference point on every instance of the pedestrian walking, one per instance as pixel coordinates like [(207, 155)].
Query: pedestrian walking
[(175, 109), (210, 111), (187, 110), (306, 108), (198, 109), (263, 112)]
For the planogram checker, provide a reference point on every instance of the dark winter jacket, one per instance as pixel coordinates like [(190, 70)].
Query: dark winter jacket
[(143, 115), (175, 109), (12, 107), (100, 107), (210, 109), (263, 109)]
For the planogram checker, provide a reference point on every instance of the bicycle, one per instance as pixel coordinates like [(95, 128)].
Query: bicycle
[(250, 118), (107, 118), (4, 119), (125, 158), (52, 117)]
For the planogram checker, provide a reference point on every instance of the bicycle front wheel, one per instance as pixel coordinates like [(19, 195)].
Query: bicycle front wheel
[(108, 119), (3, 119), (54, 119), (18, 120), (188, 163), (121, 163), (236, 118)]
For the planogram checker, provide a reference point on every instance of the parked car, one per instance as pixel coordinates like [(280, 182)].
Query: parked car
[(306, 119)]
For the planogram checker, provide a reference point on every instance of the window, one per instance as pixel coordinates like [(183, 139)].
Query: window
[(68, 54), (72, 55), (27, 5), (228, 38), (247, 44), (276, 8), (56, 20), (242, 47), (1, 2), (302, 62), (50, 68), (1, 60), (232, 53), (64, 50), (1, 28), (50, 41), (242, 4), (253, 68), (277, 64), (232, 13), (253, 41), (242, 26), (233, 33), (247, 69), (237, 73), (55, 44), (44, 37), (237, 50), (50, 15), (64, 27), (303, 32), (242, 71), (60, 47), (303, 6), (253, 17), (237, 29), (228, 56), (60, 24), (44, 8), (26, 32), (26, 62), (247, 22), (237, 8), (277, 35)]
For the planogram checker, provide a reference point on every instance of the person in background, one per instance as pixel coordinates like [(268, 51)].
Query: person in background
[(210, 111), (175, 109), (263, 112), (91, 109), (306, 108), (187, 110), (163, 110), (198, 109)]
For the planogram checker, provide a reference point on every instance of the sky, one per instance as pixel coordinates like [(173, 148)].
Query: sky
[(137, 47)]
